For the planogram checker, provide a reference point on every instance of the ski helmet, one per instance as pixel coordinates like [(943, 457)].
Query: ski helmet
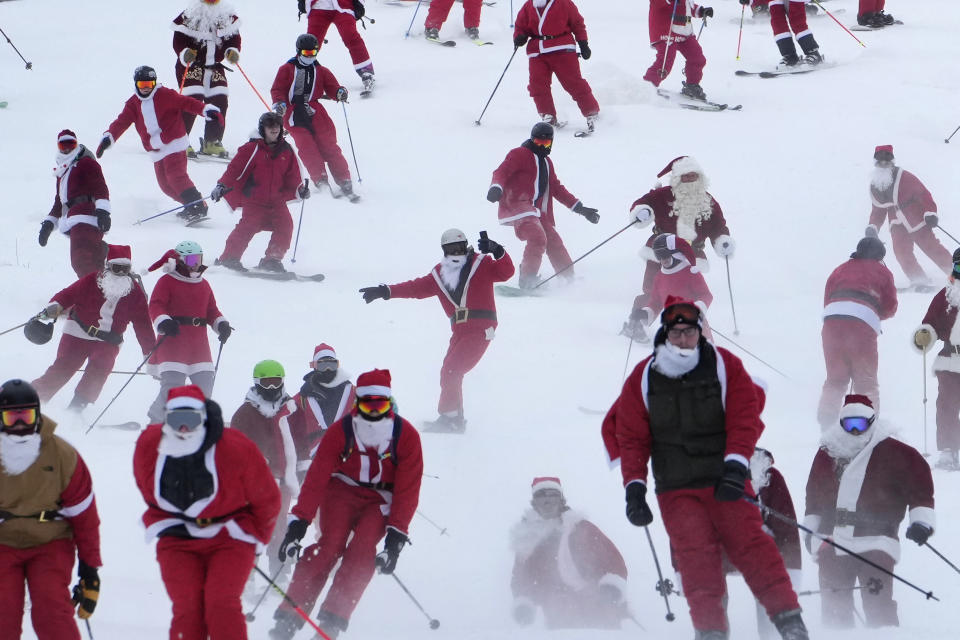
[(269, 119), (307, 41), (37, 331), (542, 130), (144, 73), (188, 248), (18, 394), (452, 235), (869, 249), (268, 369)]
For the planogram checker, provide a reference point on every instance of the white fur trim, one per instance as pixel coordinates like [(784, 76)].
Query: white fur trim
[(184, 51), (642, 214), (923, 515), (736, 457), (853, 309), (373, 390), (614, 580), (933, 341), (700, 304), (702, 266), (546, 484), (102, 203), (324, 353), (812, 521), (686, 164), (185, 402), (632, 481), (856, 409), (156, 323), (75, 510), (718, 246)]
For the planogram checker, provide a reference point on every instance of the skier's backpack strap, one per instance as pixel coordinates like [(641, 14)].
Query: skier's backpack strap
[(348, 437)]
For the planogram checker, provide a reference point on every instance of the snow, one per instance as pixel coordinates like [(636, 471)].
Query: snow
[(790, 171)]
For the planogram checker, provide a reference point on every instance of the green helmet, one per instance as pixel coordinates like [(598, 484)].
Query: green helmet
[(188, 248), (268, 369)]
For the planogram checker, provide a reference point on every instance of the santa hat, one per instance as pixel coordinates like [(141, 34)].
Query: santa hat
[(857, 406), (544, 483), (66, 135), (374, 383), (186, 397), (118, 254), (681, 250), (168, 260), (672, 301), (323, 350), (681, 165), (888, 148)]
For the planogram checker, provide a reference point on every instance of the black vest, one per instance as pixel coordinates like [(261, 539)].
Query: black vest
[(687, 425)]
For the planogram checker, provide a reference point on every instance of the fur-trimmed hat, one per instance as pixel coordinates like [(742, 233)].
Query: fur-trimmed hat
[(883, 148), (681, 165), (669, 319), (545, 482), (118, 254), (186, 397), (857, 406), (323, 350), (66, 135), (168, 260), (374, 383)]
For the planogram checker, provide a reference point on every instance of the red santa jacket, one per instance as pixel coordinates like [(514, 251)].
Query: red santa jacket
[(772, 491), (860, 504), (861, 289), (242, 501), (905, 202), (81, 189), (261, 175), (472, 303), (190, 302), (84, 301), (659, 203), (680, 280), (285, 83), (157, 118), (659, 20), (941, 321), (341, 6), (210, 40), (519, 178), (395, 477), (256, 418), (556, 27)]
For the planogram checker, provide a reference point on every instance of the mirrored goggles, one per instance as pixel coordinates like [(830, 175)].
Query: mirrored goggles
[(326, 364), (66, 146), (27, 416), (543, 142), (146, 84), (681, 313), (119, 269), (856, 424), (956, 270), (184, 418), (193, 259), (455, 249), (374, 406), (309, 53), (270, 383)]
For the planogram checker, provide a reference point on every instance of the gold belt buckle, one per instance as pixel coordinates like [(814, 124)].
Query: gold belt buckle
[(196, 321), (460, 316), (204, 522), (43, 517), (92, 331)]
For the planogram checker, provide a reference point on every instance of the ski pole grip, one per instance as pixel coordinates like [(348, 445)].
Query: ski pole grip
[(483, 235)]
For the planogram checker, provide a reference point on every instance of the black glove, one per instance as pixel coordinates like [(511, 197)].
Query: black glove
[(732, 483), (223, 331), (494, 193), (301, 7), (870, 231), (103, 220), (744, 2), (86, 591), (486, 245), (520, 39), (387, 559), (587, 212), (342, 94), (169, 327), (931, 219), (610, 593), (218, 192), (706, 12), (375, 293), (104, 143), (584, 49), (295, 532), (303, 191), (919, 533), (358, 9), (46, 228), (638, 512)]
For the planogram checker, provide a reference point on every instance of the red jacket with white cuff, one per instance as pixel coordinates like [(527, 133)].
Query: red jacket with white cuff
[(558, 26), (941, 321), (158, 120), (906, 202), (81, 190), (519, 178)]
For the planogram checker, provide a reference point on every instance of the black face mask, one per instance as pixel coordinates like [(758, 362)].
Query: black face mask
[(270, 395), (323, 377)]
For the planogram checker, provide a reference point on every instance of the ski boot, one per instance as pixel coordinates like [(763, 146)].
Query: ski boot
[(331, 623), (346, 187), (866, 19), (592, 122), (789, 52), (431, 34), (446, 423), (214, 148), (286, 626), (550, 120), (272, 265), (230, 263), (886, 18), (635, 331), (191, 153), (812, 58), (473, 33), (368, 81), (693, 90), (78, 404), (529, 281), (948, 460), (811, 51), (790, 625), (194, 212), (759, 10)]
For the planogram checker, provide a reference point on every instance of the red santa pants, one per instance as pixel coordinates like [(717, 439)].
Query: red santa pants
[(212, 129), (870, 6), (566, 66), (172, 175), (467, 345), (319, 147), (319, 21), (71, 354), (205, 579), (345, 509), (700, 530), (87, 249), (541, 236), (795, 14), (440, 9), (842, 573), (948, 411), (850, 351), (46, 570), (692, 54), (903, 242), (256, 218)]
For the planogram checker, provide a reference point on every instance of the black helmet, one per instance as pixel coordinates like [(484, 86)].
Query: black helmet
[(144, 73), (307, 41), (269, 119), (18, 394), (869, 249), (956, 256), (542, 130), (660, 248), (37, 331)]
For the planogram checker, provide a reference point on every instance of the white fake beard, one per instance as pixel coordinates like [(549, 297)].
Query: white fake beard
[(881, 178), (210, 18), (113, 286), (176, 444), (62, 161), (373, 433), (533, 529), (17, 453), (842, 445), (673, 362), (952, 294), (691, 203), (450, 268)]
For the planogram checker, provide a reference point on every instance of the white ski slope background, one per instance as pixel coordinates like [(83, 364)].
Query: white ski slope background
[(790, 171)]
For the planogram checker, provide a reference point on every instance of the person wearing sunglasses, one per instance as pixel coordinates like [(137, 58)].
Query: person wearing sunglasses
[(205, 35), (692, 410), (300, 84), (861, 483), (156, 112), (212, 504), (81, 204), (344, 14), (182, 306), (48, 520), (525, 185), (365, 482), (900, 197), (98, 309)]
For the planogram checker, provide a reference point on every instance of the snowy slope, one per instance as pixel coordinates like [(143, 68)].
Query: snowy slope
[(790, 171)]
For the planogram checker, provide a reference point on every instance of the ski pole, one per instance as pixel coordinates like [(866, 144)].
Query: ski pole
[(442, 530), (350, 137), (16, 327), (132, 376), (947, 140), (183, 80), (245, 77), (414, 17), (779, 516), (216, 366), (942, 557), (736, 330), (434, 623), (543, 282), (874, 586), (176, 208), (702, 25), (250, 617), (758, 359), (626, 364), (10, 42), (664, 587), (89, 630), (743, 9), (306, 184), (293, 604), (511, 14), (926, 451), (666, 49), (122, 373), (850, 33), (948, 234), (515, 49)]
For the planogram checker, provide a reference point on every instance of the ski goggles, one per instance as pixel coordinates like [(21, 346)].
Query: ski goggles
[(956, 270), (66, 146), (27, 416), (856, 424), (883, 156), (455, 249), (374, 406), (543, 142), (326, 364), (188, 418), (119, 269), (309, 53), (192, 259), (146, 84), (680, 314), (270, 383)]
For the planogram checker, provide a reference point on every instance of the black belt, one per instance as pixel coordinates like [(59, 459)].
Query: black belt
[(78, 200), (856, 295), (462, 315), (847, 518), (196, 322), (93, 332), (559, 35), (205, 522), (43, 516), (377, 486), (682, 20)]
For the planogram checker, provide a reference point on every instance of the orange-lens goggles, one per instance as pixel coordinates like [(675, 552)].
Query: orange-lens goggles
[(146, 84), (681, 313), (10, 417), (374, 405), (66, 146), (309, 53), (543, 142)]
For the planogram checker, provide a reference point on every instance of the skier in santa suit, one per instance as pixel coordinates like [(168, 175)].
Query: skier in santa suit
[(211, 504), (678, 276), (900, 197), (261, 179), (206, 34), (156, 112), (365, 481), (692, 408), (46, 520), (344, 14), (525, 185), (554, 29), (671, 31), (440, 9), (858, 295), (299, 86), (565, 566), (181, 307), (870, 14), (463, 283), (99, 306), (940, 323), (861, 483), (81, 206), (685, 208)]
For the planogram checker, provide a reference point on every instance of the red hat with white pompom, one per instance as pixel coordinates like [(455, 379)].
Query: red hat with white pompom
[(323, 350), (681, 165), (545, 482), (857, 406), (186, 397), (374, 383), (118, 254)]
